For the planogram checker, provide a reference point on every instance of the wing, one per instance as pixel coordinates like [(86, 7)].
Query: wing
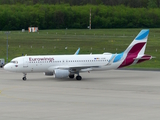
[(75, 69), (80, 68)]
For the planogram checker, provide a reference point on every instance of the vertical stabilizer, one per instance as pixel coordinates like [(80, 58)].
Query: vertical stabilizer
[(139, 43), (136, 49)]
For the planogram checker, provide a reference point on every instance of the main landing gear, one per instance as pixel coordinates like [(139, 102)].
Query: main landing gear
[(71, 76), (78, 77), (24, 78)]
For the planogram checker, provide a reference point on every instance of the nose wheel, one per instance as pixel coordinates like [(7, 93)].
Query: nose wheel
[(24, 78)]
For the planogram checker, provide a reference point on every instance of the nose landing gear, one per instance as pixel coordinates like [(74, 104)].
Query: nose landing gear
[(24, 78)]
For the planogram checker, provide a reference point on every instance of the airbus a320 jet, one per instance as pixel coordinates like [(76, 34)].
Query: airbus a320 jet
[(63, 66)]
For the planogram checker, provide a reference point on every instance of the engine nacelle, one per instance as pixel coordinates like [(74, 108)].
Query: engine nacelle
[(61, 73), (48, 73)]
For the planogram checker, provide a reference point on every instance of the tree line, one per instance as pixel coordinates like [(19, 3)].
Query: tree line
[(130, 3), (61, 16)]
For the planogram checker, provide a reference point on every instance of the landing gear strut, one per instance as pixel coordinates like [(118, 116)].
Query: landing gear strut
[(24, 78)]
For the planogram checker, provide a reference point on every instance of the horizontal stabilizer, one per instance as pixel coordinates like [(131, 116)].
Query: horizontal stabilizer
[(142, 58), (145, 57)]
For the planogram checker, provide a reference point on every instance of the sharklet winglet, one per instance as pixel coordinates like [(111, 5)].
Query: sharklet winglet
[(111, 61), (77, 52)]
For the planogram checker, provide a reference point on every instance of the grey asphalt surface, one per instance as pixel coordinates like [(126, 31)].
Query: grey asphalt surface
[(103, 95)]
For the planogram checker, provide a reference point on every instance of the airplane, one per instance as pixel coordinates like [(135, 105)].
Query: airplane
[(63, 66)]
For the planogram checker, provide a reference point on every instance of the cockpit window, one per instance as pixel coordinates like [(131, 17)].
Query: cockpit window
[(15, 62)]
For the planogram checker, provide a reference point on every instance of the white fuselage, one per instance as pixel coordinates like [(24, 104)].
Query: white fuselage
[(47, 63)]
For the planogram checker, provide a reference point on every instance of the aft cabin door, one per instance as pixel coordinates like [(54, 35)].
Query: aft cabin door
[(25, 62)]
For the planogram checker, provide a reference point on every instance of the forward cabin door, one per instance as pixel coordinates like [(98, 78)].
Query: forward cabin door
[(25, 62)]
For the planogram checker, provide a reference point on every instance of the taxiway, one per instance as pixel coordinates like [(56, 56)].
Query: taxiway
[(104, 95)]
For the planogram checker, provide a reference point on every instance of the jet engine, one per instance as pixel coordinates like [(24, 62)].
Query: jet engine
[(48, 73), (61, 73)]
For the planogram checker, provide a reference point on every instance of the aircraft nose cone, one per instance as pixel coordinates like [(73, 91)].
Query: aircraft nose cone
[(6, 67)]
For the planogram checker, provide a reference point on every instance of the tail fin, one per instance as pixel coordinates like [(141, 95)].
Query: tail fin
[(138, 45), (136, 49)]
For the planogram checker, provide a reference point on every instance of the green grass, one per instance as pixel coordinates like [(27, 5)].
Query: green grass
[(100, 40)]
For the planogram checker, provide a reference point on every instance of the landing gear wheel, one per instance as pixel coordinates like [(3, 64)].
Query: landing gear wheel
[(79, 77), (71, 76), (24, 78)]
